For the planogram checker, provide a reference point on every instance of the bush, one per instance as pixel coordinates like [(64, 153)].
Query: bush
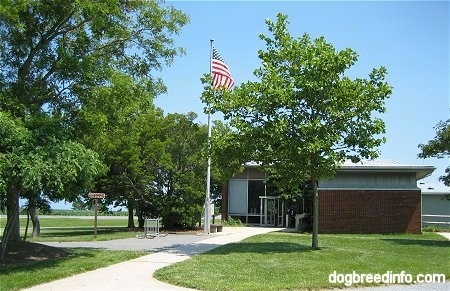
[(233, 222), (435, 229)]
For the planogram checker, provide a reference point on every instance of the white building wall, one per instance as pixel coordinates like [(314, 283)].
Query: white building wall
[(435, 204), (370, 180)]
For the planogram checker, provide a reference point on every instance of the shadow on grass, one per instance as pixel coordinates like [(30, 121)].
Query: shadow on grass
[(418, 242), (51, 259), (233, 248), (261, 248)]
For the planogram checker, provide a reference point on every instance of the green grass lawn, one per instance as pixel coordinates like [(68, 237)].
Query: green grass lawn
[(75, 261), (285, 261), (63, 229), (276, 261), (71, 222), (26, 273)]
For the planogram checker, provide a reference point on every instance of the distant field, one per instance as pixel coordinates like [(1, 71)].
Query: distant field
[(86, 213), (69, 212), (86, 221), (81, 228)]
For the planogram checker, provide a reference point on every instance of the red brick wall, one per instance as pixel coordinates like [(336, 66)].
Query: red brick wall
[(369, 211)]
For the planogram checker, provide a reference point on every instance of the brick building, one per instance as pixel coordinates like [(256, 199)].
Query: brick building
[(376, 196)]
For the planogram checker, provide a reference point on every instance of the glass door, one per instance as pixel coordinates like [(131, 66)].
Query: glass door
[(269, 208), (271, 211)]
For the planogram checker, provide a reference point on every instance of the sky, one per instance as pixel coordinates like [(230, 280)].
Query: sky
[(409, 38)]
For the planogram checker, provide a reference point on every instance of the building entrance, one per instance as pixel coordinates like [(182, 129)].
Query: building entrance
[(271, 211)]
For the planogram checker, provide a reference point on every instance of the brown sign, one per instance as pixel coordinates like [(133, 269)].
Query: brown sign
[(96, 195)]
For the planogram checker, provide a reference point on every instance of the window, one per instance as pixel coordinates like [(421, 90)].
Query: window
[(256, 188), (237, 198)]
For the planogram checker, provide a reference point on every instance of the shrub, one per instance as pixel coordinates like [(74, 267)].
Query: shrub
[(233, 222)]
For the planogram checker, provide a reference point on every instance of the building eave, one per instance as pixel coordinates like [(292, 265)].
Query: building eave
[(421, 171), (433, 188)]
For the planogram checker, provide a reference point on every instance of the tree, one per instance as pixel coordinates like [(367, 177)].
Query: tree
[(53, 54), (13, 136), (35, 202), (304, 116), (119, 121), (439, 147), (178, 190), (156, 165)]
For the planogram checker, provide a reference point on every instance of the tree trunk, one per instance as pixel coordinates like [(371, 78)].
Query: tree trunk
[(315, 234), (35, 221), (5, 239), (12, 214), (11, 233), (130, 214), (26, 227), (141, 218)]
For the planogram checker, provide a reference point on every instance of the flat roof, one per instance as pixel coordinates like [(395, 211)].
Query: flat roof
[(421, 171), (433, 188), (377, 165)]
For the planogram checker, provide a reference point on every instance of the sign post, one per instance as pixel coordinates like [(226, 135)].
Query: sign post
[(96, 196)]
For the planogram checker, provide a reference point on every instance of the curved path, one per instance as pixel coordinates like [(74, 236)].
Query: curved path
[(137, 274)]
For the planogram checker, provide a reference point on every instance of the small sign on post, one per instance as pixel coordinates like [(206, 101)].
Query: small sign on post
[(96, 196)]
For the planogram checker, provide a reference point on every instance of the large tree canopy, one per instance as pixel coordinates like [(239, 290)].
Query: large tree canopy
[(53, 52), (439, 147), (55, 55), (304, 116), (113, 122)]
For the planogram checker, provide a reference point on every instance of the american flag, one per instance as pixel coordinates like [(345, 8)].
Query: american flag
[(220, 73)]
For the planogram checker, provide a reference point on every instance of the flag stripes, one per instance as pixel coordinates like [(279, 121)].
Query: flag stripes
[(220, 72)]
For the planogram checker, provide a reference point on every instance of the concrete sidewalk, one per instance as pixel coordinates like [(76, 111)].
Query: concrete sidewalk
[(445, 234), (137, 274)]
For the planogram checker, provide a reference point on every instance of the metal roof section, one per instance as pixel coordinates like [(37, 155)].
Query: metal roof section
[(433, 188), (378, 165), (252, 164), (421, 171), (372, 163)]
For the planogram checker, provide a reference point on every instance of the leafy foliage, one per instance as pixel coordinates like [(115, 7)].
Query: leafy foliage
[(177, 192), (13, 136), (439, 147), (57, 56), (305, 116), (156, 165)]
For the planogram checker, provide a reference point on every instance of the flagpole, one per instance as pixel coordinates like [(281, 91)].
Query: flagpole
[(208, 172)]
